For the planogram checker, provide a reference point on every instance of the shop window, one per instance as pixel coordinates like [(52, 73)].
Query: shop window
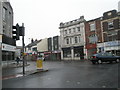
[(67, 52)]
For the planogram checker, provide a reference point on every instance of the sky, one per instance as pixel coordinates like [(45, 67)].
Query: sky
[(41, 18)]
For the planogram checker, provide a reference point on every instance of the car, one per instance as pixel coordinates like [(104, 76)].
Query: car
[(104, 57)]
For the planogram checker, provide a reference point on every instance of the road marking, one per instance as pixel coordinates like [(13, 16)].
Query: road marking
[(67, 81), (78, 82), (49, 78), (11, 76), (103, 86)]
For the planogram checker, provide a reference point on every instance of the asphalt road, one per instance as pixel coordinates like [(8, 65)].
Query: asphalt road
[(69, 74)]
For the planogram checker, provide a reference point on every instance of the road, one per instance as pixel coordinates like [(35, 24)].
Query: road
[(69, 74)]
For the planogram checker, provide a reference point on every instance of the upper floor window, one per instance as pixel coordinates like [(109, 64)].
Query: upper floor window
[(74, 30), (93, 38), (78, 29), (76, 41), (92, 27), (110, 25), (67, 41), (65, 31), (70, 40), (69, 30), (79, 39), (4, 13)]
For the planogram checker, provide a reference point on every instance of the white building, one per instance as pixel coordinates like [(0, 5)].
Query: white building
[(42, 46), (72, 39)]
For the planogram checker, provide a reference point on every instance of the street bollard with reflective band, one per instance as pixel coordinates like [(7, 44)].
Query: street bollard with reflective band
[(39, 64)]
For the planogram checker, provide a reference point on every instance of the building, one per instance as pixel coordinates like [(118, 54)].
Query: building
[(93, 35), (72, 39), (6, 36), (31, 50), (42, 47), (111, 31), (54, 52), (119, 6)]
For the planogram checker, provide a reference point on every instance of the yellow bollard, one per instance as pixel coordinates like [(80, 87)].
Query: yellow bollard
[(39, 64)]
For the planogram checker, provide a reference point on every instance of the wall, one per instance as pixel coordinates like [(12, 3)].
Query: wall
[(1, 18), (43, 45)]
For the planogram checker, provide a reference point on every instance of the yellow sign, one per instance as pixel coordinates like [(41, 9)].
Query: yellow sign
[(39, 64)]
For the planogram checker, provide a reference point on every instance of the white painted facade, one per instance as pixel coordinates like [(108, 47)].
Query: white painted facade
[(72, 34), (42, 45)]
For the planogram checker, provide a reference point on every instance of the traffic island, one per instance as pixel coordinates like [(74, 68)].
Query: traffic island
[(26, 74)]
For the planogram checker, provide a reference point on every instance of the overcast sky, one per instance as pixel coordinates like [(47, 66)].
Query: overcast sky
[(42, 17)]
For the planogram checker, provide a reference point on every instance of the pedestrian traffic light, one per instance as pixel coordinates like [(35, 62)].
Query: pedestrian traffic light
[(16, 32)]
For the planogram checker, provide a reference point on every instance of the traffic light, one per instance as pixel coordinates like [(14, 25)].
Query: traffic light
[(16, 32)]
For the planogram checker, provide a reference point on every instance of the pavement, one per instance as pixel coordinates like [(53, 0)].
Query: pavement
[(13, 70)]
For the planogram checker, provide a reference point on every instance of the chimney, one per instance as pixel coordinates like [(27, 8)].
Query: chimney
[(32, 40)]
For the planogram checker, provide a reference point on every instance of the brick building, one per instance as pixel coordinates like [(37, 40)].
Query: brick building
[(93, 35), (111, 31)]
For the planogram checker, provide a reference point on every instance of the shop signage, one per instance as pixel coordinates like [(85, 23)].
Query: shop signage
[(7, 47), (112, 43)]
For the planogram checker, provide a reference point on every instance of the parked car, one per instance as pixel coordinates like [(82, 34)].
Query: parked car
[(104, 57)]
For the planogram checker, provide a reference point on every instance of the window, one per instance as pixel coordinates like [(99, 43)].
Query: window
[(70, 40), (76, 41), (93, 38), (65, 31), (4, 13), (92, 27), (110, 25), (74, 30), (79, 39), (69, 30), (67, 41), (78, 29)]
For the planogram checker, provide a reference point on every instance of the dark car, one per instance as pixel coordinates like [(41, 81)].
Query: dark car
[(104, 57)]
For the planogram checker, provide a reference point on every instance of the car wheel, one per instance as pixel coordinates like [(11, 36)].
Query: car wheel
[(99, 62), (93, 62), (110, 61), (117, 60)]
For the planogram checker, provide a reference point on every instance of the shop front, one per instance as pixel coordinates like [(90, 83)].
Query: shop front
[(8, 52), (113, 47)]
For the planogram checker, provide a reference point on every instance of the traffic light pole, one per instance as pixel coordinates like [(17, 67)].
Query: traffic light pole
[(0, 65), (23, 50)]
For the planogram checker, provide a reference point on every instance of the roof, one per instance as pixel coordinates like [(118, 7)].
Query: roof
[(33, 44)]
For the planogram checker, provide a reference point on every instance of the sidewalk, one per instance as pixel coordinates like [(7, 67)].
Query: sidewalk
[(13, 70)]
